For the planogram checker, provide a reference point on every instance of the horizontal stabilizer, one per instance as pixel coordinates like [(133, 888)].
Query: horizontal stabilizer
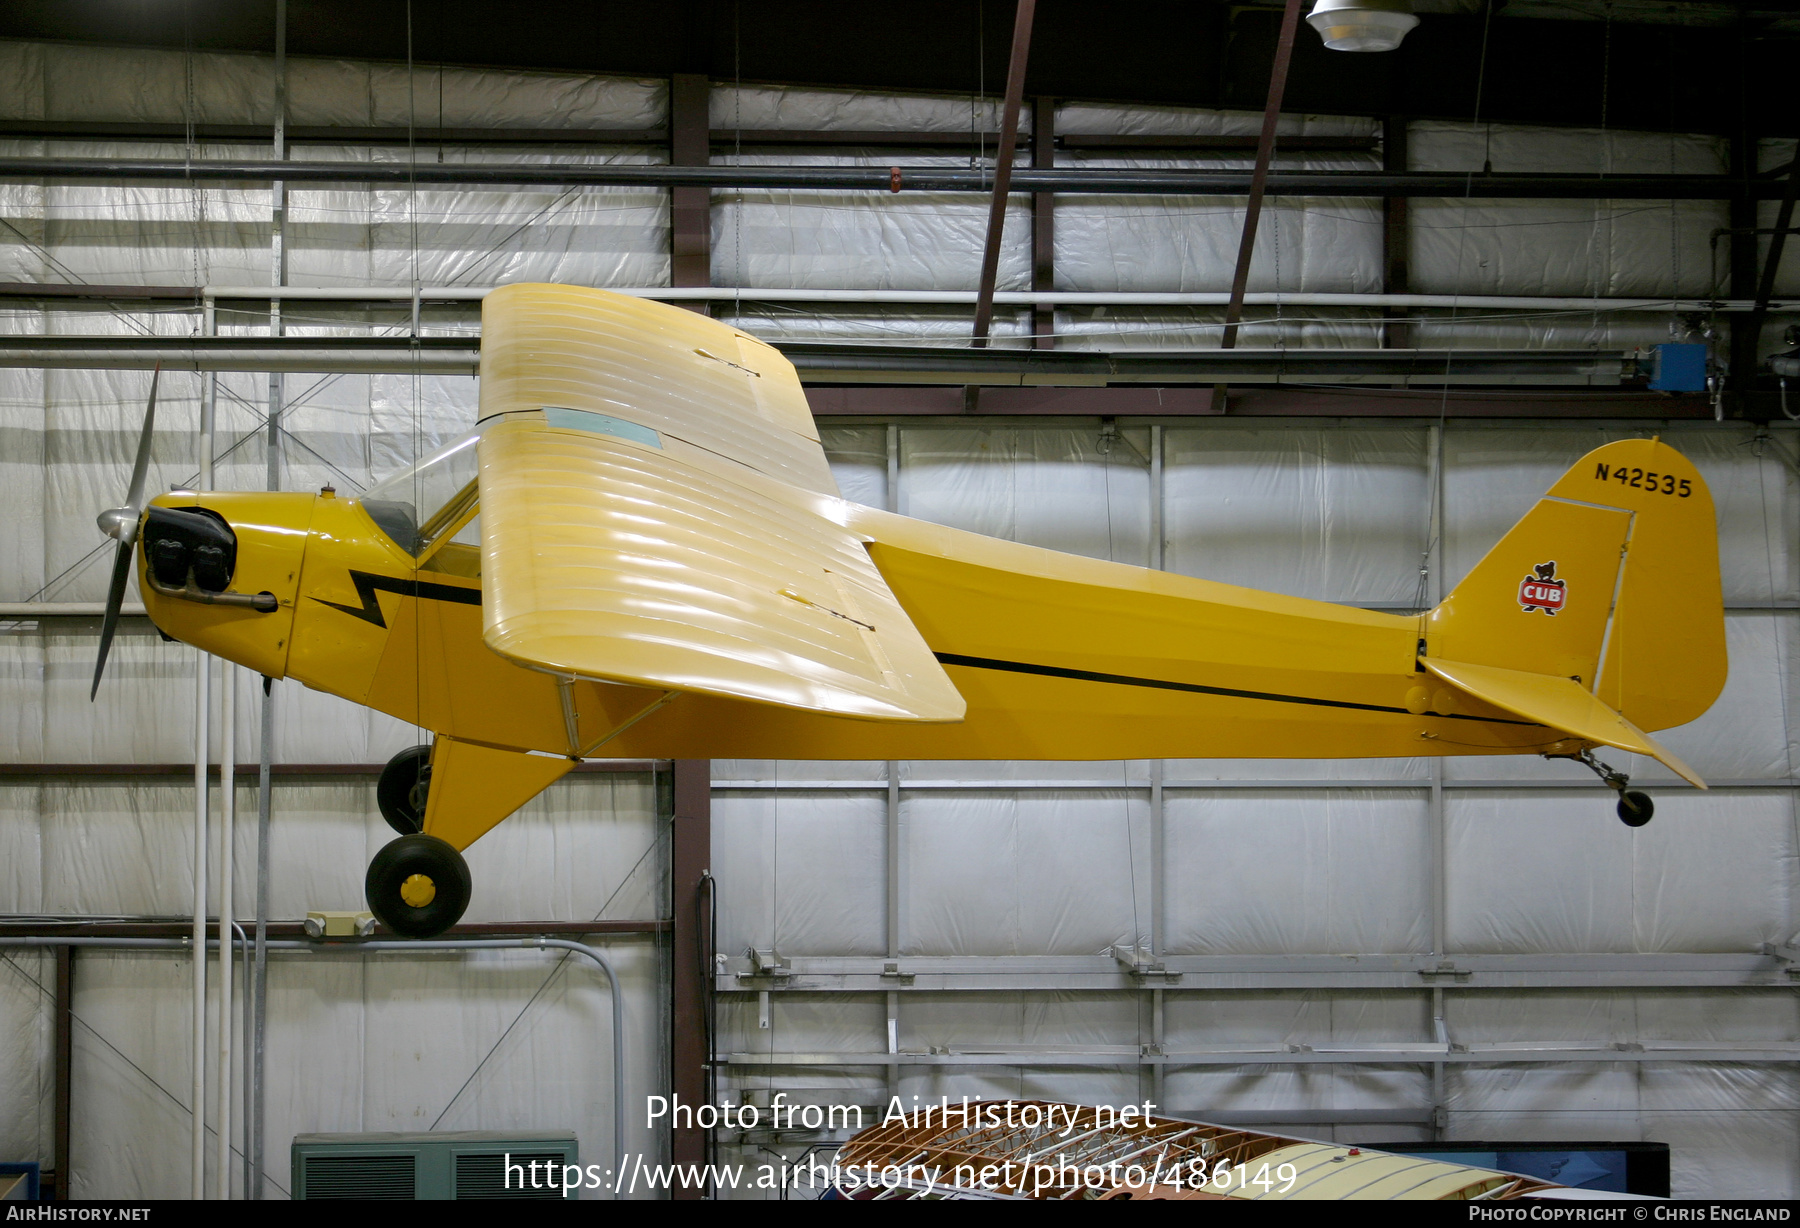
[(1560, 703)]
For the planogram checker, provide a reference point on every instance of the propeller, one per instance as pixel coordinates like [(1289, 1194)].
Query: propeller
[(121, 524)]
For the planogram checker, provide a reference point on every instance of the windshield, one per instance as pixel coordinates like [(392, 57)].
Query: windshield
[(416, 505)]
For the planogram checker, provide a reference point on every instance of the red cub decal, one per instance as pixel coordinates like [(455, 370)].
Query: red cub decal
[(1542, 590)]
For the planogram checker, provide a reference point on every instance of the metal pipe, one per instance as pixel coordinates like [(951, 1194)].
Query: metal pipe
[(263, 603), (264, 797), (341, 355), (243, 1042), (63, 609), (199, 932), (1031, 298), (1003, 166), (838, 362), (227, 830), (260, 1013), (202, 746), (919, 179), (425, 944)]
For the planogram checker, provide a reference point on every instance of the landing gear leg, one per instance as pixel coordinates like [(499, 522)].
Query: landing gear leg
[(1635, 807)]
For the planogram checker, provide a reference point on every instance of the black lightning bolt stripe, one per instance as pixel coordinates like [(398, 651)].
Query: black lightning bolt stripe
[(1084, 675), (368, 584)]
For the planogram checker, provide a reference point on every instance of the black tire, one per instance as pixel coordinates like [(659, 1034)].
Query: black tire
[(402, 789), (1635, 808), (403, 859)]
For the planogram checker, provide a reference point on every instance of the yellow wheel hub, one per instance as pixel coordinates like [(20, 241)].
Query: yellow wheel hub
[(418, 890)]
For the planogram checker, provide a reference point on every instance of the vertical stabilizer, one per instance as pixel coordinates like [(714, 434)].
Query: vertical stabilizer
[(1611, 580)]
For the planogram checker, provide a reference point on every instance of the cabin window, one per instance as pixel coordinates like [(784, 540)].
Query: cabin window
[(415, 506)]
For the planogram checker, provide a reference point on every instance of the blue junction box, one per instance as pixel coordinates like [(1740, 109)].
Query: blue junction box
[(1678, 368)]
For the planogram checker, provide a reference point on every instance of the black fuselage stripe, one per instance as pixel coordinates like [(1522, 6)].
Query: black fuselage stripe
[(369, 583), (1162, 684), (444, 592)]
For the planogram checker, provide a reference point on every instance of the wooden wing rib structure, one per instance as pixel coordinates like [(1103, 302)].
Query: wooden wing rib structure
[(1076, 1153)]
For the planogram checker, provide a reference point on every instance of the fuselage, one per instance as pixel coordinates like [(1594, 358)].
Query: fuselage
[(1057, 656)]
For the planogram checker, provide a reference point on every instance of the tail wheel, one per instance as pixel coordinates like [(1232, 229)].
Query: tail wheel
[(1635, 808), (402, 790), (417, 886)]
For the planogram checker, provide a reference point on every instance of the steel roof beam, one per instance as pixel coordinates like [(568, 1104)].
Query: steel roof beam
[(1259, 175), (854, 364), (1003, 167), (1400, 1055), (336, 134)]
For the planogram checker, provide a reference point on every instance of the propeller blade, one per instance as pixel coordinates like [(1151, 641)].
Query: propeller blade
[(115, 601), (141, 469)]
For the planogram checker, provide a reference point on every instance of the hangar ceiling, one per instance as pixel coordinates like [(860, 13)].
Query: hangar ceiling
[(1702, 67)]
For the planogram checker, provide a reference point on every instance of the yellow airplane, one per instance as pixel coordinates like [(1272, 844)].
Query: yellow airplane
[(639, 551)]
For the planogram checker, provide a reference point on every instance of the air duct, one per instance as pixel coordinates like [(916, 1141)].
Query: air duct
[(1362, 25)]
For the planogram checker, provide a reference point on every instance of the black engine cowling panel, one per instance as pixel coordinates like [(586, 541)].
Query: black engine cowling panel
[(182, 539)]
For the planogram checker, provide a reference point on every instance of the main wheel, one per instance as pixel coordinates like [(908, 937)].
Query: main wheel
[(402, 789), (417, 886), (1635, 808)]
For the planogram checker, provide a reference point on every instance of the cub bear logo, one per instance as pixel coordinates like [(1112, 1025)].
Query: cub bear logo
[(1542, 590)]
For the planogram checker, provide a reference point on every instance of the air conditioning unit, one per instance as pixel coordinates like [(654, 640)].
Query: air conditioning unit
[(447, 1165)]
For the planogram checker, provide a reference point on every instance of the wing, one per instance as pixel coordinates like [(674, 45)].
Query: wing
[(617, 546), (674, 371)]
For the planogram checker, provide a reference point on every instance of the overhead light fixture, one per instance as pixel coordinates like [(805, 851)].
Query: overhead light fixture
[(1362, 25)]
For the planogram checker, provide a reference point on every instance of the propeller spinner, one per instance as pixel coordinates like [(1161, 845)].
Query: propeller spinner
[(121, 524)]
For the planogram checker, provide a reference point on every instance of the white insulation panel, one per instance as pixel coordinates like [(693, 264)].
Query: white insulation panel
[(1012, 859)]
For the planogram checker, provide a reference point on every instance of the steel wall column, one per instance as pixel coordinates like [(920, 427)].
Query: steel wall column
[(65, 1011), (1748, 350), (1432, 590), (1396, 236), (690, 208), (1158, 909), (1440, 1033), (895, 852), (690, 950), (893, 467), (1741, 219), (1043, 222), (1741, 252), (1158, 813), (257, 978), (1157, 532)]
